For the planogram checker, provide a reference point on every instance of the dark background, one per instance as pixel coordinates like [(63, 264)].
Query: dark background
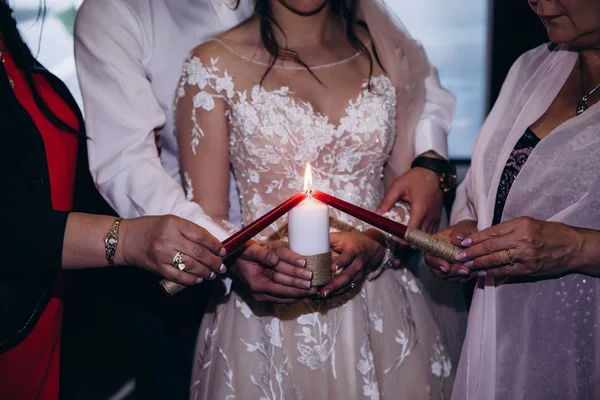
[(100, 351)]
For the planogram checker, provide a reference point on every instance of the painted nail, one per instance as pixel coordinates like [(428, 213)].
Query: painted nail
[(462, 256), (460, 237), (306, 284), (301, 263), (468, 264), (223, 252), (443, 269), (463, 272), (307, 274), (467, 242), (481, 273), (199, 280), (223, 269), (212, 275)]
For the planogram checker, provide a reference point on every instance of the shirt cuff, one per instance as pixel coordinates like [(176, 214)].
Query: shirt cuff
[(431, 137)]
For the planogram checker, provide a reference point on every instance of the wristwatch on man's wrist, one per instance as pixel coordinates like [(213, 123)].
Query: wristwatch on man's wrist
[(445, 170)]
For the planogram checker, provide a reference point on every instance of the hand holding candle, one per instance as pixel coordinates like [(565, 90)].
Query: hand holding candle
[(308, 231), (419, 239), (237, 240)]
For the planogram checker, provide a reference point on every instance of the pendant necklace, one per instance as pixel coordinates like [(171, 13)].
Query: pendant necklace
[(582, 104)]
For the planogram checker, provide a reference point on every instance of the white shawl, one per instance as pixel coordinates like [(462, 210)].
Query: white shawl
[(538, 339)]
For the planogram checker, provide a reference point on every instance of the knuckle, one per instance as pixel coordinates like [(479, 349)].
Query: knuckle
[(497, 259), (491, 245)]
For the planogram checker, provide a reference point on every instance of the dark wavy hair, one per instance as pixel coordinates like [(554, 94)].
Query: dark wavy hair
[(345, 10), (26, 62)]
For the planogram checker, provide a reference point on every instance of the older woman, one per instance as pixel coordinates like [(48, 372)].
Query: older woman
[(528, 216)]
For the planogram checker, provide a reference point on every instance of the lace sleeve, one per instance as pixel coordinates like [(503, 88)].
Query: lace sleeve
[(201, 122)]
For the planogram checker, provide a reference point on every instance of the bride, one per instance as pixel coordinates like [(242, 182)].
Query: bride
[(304, 81)]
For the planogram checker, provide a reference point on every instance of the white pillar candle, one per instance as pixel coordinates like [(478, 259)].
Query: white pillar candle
[(308, 224), (308, 228)]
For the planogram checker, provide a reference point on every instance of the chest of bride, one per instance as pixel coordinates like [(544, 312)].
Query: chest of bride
[(273, 131)]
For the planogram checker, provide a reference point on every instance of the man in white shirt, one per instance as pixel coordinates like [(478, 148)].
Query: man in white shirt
[(129, 55)]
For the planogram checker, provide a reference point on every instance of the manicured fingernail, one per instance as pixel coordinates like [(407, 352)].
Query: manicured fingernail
[(443, 269), (307, 274), (467, 242), (461, 256), (463, 272), (199, 280), (223, 252), (460, 237), (481, 273), (313, 291), (306, 284), (301, 263), (222, 268), (212, 275), (468, 264), (378, 211), (272, 259), (326, 293)]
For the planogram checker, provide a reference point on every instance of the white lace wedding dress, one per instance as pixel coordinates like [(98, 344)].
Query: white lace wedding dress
[(378, 341)]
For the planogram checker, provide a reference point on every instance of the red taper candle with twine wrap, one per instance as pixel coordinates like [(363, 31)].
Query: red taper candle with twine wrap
[(419, 239), (238, 239)]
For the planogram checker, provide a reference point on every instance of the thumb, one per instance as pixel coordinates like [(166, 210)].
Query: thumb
[(261, 255), (393, 194)]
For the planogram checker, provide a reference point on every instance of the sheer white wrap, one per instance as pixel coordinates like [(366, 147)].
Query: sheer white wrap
[(537, 339)]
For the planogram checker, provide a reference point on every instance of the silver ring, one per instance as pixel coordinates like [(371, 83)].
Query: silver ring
[(510, 258), (178, 261), (352, 286)]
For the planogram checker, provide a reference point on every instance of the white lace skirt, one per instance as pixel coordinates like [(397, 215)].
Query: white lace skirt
[(378, 342)]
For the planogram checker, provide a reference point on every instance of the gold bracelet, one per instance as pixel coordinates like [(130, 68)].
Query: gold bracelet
[(111, 241)]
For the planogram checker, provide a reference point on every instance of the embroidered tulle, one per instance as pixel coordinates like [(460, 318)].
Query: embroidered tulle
[(378, 341)]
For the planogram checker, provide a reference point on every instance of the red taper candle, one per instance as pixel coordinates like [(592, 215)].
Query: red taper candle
[(238, 239)]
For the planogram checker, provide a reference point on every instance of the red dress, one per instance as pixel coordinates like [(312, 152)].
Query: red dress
[(30, 370)]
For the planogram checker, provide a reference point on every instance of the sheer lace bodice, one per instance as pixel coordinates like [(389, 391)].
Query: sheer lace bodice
[(376, 341), (272, 136)]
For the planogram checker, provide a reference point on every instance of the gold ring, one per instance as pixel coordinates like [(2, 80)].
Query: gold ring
[(178, 261), (510, 258)]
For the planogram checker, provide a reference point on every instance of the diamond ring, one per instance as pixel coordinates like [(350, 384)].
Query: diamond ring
[(178, 261), (352, 286)]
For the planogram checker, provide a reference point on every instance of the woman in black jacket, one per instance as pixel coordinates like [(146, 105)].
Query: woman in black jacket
[(48, 224)]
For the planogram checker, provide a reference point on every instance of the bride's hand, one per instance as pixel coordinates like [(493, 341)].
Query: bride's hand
[(273, 273), (358, 253)]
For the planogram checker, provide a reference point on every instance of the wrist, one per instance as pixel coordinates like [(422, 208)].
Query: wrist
[(121, 255), (442, 170), (585, 250)]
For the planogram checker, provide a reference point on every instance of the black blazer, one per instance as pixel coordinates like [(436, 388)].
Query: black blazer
[(31, 233)]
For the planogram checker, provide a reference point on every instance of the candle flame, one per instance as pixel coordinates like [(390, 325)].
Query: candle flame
[(308, 179)]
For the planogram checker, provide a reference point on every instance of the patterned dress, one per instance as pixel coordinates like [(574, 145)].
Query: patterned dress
[(378, 341), (518, 158)]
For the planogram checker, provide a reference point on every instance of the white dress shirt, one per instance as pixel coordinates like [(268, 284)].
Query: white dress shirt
[(129, 55)]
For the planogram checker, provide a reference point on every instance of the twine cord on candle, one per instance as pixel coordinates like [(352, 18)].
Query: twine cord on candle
[(320, 265), (171, 288), (430, 244)]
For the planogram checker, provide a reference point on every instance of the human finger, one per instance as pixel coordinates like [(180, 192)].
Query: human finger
[(393, 194), (200, 236), (261, 255), (175, 275)]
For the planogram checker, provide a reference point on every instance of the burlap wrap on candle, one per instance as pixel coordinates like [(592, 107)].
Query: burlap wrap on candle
[(171, 288), (431, 244), (320, 265)]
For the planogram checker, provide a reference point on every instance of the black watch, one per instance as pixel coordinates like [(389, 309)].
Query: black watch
[(445, 170)]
